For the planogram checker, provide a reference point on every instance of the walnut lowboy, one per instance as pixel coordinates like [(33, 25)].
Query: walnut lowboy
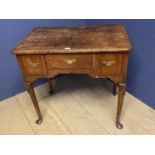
[(99, 51)]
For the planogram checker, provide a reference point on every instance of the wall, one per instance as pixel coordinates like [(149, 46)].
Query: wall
[(141, 71), (11, 32)]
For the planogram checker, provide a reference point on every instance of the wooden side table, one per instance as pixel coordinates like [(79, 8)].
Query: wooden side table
[(99, 51)]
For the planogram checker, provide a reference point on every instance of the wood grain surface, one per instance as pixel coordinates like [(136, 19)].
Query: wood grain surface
[(89, 39)]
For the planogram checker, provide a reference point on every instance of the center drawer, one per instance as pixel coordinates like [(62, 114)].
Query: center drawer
[(69, 61)]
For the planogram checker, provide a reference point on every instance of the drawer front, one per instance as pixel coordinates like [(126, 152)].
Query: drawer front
[(70, 61), (34, 64), (110, 64)]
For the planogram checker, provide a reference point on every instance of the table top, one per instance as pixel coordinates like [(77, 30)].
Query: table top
[(80, 39)]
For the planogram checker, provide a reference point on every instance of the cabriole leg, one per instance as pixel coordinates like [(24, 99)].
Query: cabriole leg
[(114, 88), (122, 88), (51, 91), (31, 92)]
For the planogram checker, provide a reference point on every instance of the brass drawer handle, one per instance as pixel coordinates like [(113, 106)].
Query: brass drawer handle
[(34, 64), (108, 63), (70, 61)]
